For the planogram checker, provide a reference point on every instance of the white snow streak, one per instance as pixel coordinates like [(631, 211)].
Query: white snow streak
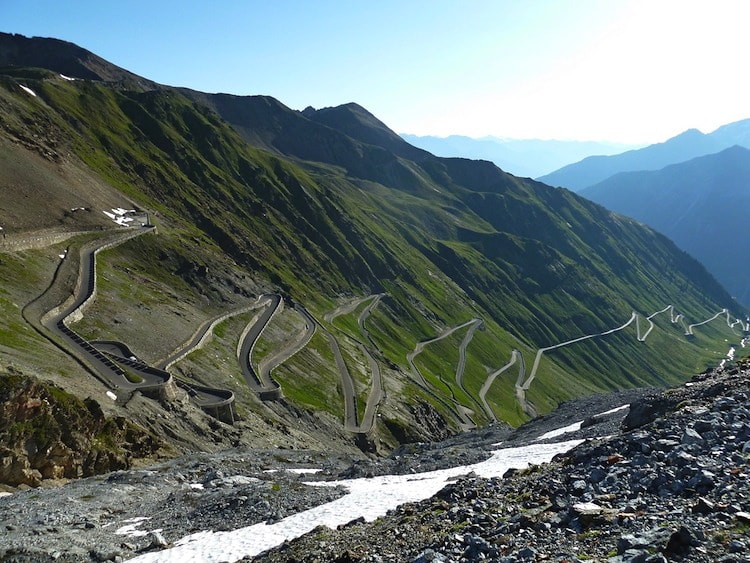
[(368, 497), (27, 90), (560, 431), (576, 425), (131, 530), (120, 216)]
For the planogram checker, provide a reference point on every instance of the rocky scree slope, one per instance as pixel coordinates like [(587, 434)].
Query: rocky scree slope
[(668, 484), (671, 486), (219, 491), (46, 433)]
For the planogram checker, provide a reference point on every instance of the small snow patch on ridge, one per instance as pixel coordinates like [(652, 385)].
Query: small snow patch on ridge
[(27, 90), (131, 529), (120, 216)]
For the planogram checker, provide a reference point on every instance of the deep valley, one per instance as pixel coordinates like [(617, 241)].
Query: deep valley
[(190, 274)]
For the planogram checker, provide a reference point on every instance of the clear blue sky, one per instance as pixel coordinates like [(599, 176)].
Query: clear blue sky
[(619, 70)]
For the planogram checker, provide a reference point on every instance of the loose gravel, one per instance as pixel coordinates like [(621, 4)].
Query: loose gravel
[(672, 486), (669, 484)]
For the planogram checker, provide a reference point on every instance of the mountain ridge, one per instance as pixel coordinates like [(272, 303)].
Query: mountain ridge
[(691, 202), (66, 58), (685, 146), (521, 157), (252, 197)]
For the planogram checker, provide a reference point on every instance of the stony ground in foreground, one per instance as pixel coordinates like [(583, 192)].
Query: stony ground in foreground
[(672, 485)]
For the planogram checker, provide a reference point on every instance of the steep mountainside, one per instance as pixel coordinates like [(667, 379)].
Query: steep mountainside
[(699, 204), (417, 295), (521, 157), (690, 144)]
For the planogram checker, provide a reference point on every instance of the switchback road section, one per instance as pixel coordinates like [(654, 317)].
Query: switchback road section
[(352, 422), (461, 412), (260, 383), (123, 375)]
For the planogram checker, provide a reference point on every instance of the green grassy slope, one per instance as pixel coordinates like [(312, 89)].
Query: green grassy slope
[(325, 213)]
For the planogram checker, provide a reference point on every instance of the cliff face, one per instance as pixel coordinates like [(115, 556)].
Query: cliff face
[(50, 434)]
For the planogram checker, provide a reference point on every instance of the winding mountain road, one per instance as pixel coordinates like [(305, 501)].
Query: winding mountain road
[(461, 411), (201, 335), (271, 362), (209, 399), (115, 365), (118, 372), (352, 422), (260, 383), (515, 356), (461, 365), (377, 394), (523, 386), (689, 331), (56, 321), (347, 383), (346, 308), (651, 325), (421, 346), (538, 357)]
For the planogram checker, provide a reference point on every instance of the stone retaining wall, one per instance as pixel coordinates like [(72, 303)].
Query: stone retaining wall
[(40, 239)]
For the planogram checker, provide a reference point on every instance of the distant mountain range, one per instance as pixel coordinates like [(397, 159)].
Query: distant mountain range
[(701, 204), (528, 158), (692, 187), (690, 144)]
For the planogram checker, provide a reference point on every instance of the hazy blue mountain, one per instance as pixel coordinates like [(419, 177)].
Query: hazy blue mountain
[(701, 204), (690, 144), (521, 157)]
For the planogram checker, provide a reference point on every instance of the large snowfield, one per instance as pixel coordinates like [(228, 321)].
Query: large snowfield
[(368, 498)]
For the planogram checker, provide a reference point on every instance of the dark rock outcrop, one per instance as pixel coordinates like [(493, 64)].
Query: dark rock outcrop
[(46, 433)]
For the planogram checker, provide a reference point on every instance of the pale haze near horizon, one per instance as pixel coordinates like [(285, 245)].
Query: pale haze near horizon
[(633, 71)]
